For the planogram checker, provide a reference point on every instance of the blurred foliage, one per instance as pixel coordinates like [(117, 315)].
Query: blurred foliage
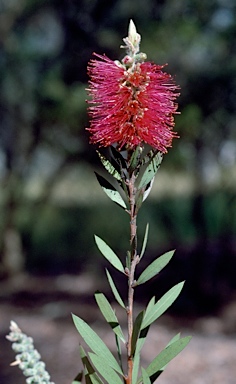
[(44, 50)]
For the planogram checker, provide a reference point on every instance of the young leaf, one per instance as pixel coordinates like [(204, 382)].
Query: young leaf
[(110, 191), (109, 314), (151, 170), (155, 267), (109, 254), (114, 290), (162, 305), (109, 167), (136, 331), (145, 377), (144, 241), (104, 369), (165, 356), (95, 342)]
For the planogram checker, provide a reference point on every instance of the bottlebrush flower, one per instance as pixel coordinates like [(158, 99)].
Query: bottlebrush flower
[(131, 103)]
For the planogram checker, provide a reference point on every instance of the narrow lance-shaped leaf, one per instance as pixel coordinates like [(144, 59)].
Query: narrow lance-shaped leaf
[(151, 170), (144, 241), (104, 369), (155, 267), (109, 314), (136, 360), (95, 343), (91, 377), (114, 290), (145, 377), (135, 158), (109, 254), (136, 331), (158, 373), (148, 190), (111, 191), (109, 167), (162, 305), (119, 353), (166, 356)]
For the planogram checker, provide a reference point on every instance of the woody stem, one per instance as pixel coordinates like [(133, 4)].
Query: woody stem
[(133, 263)]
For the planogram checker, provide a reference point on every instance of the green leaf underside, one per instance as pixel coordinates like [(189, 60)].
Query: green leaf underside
[(165, 356), (162, 305), (136, 331), (115, 196), (109, 167), (145, 377), (155, 267), (110, 191), (109, 314), (114, 290), (109, 254), (104, 369), (151, 170), (95, 343), (89, 372)]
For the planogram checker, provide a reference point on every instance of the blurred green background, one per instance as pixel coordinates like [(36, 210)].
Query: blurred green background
[(50, 202)]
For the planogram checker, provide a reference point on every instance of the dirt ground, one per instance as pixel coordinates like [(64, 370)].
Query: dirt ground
[(42, 308)]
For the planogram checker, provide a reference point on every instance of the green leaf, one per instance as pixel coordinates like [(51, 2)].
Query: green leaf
[(145, 377), (148, 189), (109, 167), (109, 254), (135, 158), (114, 290), (89, 372), (162, 305), (165, 356), (119, 351), (150, 307), (109, 314), (155, 267), (136, 331), (136, 362), (104, 369), (151, 170), (144, 241), (111, 191), (95, 342), (118, 157), (95, 379)]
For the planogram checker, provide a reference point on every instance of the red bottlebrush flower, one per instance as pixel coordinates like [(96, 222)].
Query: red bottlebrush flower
[(131, 106)]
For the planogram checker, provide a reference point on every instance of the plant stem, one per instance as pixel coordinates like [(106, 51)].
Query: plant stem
[(134, 261)]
